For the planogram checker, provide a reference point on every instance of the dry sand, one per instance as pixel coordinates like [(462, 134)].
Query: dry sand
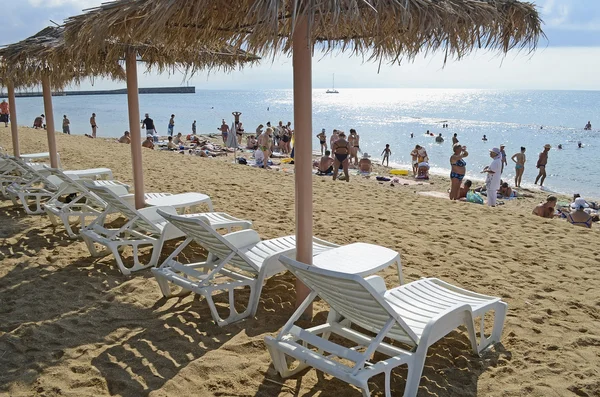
[(73, 326)]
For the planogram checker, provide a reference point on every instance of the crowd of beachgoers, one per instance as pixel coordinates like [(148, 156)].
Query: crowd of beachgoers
[(342, 153)]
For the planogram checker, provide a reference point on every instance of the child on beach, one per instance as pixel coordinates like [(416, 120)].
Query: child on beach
[(414, 154), (386, 155)]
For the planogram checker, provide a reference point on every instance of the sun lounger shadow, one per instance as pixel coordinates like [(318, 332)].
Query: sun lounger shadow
[(147, 360)]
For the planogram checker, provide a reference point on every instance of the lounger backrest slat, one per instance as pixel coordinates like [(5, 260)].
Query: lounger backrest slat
[(352, 297), (113, 200), (200, 230)]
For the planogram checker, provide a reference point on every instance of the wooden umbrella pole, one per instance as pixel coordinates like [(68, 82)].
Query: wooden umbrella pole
[(302, 64), (133, 102), (49, 113), (14, 127)]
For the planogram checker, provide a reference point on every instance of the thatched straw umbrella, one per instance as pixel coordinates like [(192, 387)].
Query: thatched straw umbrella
[(44, 57), (162, 58), (375, 29)]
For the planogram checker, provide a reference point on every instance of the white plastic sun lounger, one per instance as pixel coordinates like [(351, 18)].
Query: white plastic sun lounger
[(417, 314), (235, 260), (42, 186), (83, 205), (144, 227)]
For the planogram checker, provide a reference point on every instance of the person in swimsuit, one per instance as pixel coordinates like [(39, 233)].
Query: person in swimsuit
[(4, 112), (224, 128), (264, 145), (171, 125), (149, 142), (323, 141), (519, 159), (333, 138), (578, 216), (354, 140), (326, 164), (66, 125), (239, 132), (93, 124), (546, 210), (341, 151), (126, 138), (458, 171), (541, 165), (454, 139), (415, 159), (464, 189), (386, 155)]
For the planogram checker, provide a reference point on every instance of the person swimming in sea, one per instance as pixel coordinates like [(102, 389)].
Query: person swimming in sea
[(484, 138)]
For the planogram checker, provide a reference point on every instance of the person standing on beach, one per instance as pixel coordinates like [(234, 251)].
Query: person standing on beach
[(148, 123), (341, 150), (264, 145), (259, 129), (454, 139), (519, 159), (458, 171), (334, 137), (503, 154), (415, 159), (171, 125), (386, 155), (224, 128), (194, 128), (322, 141), (66, 125), (4, 112), (93, 124), (541, 165), (494, 174), (354, 140)]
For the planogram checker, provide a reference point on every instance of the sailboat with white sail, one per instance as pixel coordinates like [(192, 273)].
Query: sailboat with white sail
[(332, 90)]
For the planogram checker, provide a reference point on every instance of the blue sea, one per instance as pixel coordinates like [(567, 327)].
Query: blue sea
[(515, 118)]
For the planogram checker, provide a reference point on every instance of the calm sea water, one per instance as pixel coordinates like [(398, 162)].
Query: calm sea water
[(386, 116)]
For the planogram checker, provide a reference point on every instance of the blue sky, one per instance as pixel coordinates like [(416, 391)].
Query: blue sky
[(569, 59)]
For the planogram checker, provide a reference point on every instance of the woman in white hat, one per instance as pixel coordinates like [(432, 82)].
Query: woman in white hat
[(578, 216), (494, 172)]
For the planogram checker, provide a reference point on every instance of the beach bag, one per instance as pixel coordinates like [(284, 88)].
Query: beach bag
[(242, 161), (473, 197)]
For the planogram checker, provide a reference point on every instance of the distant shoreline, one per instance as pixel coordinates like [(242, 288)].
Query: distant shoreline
[(122, 91)]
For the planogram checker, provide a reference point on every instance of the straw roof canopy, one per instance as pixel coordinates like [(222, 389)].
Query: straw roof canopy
[(97, 50), (376, 29), (47, 53)]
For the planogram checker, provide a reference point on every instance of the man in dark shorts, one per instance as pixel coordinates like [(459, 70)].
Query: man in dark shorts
[(148, 123), (541, 164)]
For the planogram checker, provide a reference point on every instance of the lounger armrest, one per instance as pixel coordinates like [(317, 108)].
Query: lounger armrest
[(243, 238), (439, 326), (377, 283)]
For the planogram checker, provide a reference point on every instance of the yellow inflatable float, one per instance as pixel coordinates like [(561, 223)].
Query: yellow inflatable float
[(399, 172)]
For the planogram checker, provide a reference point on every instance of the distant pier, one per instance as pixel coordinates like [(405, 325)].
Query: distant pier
[(156, 90)]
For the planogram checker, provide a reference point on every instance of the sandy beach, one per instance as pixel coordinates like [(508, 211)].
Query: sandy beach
[(71, 325)]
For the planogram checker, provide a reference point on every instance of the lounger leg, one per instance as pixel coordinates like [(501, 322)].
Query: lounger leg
[(499, 318), (163, 283), (281, 365), (415, 370)]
